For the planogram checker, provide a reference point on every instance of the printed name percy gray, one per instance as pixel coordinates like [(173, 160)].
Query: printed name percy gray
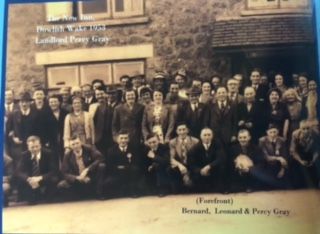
[(71, 40)]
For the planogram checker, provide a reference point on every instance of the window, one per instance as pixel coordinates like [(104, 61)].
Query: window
[(111, 8), (277, 4), (79, 74)]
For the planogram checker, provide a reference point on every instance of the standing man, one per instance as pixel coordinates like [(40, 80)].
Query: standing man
[(222, 118), (21, 124), (88, 96), (102, 119), (261, 90), (192, 112), (181, 79), (233, 92)]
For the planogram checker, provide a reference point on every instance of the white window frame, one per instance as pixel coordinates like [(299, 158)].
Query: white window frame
[(115, 70), (96, 15), (83, 72), (276, 4), (50, 77), (112, 14)]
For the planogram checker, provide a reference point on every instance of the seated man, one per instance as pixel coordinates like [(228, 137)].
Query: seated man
[(82, 170), (305, 148), (7, 175), (36, 172), (179, 148), (124, 168), (205, 161), (157, 159), (275, 153), (247, 158)]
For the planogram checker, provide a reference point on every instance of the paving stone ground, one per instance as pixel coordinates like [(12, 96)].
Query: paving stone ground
[(164, 215)]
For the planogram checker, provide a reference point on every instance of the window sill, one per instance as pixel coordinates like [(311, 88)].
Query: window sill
[(106, 22), (276, 12)]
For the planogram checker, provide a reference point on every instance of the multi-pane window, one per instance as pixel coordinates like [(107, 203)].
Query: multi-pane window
[(79, 74), (111, 8), (277, 4)]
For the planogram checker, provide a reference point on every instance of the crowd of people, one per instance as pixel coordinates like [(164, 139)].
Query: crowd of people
[(164, 136)]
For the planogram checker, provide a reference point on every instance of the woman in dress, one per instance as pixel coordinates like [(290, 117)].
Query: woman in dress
[(277, 112), (158, 118), (78, 122), (296, 109)]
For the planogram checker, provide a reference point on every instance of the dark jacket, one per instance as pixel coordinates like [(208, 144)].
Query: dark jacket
[(91, 160)]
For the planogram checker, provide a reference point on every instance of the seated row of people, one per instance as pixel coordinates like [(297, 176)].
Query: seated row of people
[(186, 164)]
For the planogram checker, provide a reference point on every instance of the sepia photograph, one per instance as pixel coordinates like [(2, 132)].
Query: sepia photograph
[(170, 116)]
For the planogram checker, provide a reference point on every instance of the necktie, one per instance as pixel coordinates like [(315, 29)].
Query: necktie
[(183, 151), (35, 167), (223, 106)]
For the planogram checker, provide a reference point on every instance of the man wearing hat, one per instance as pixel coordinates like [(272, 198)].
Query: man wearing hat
[(181, 79), (21, 124), (192, 112), (275, 152), (65, 93), (137, 81), (159, 82)]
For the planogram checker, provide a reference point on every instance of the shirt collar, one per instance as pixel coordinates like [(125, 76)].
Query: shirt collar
[(36, 156)]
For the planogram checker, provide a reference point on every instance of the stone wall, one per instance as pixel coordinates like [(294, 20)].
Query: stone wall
[(180, 30)]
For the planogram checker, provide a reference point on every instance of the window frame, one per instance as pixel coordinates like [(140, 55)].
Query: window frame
[(277, 6)]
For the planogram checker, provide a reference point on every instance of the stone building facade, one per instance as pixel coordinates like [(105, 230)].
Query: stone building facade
[(202, 36)]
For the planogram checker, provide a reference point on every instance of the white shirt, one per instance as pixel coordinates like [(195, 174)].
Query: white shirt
[(224, 103), (206, 146), (37, 156), (123, 149), (27, 112)]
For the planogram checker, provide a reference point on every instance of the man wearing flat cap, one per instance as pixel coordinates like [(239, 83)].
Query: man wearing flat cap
[(21, 124), (159, 82)]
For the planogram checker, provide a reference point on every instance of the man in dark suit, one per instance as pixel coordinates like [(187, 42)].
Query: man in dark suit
[(248, 160), (20, 125), (251, 115), (261, 89), (222, 118), (192, 112), (88, 96), (102, 118), (205, 161), (157, 159), (125, 168), (129, 116), (36, 173), (41, 109), (274, 149), (82, 170), (55, 127)]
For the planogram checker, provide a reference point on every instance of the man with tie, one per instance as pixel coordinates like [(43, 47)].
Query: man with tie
[(82, 170), (233, 91), (205, 161), (102, 118), (275, 153), (157, 160), (221, 117), (36, 173), (129, 116), (88, 97), (179, 148), (192, 112), (125, 168), (261, 89), (20, 125)]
